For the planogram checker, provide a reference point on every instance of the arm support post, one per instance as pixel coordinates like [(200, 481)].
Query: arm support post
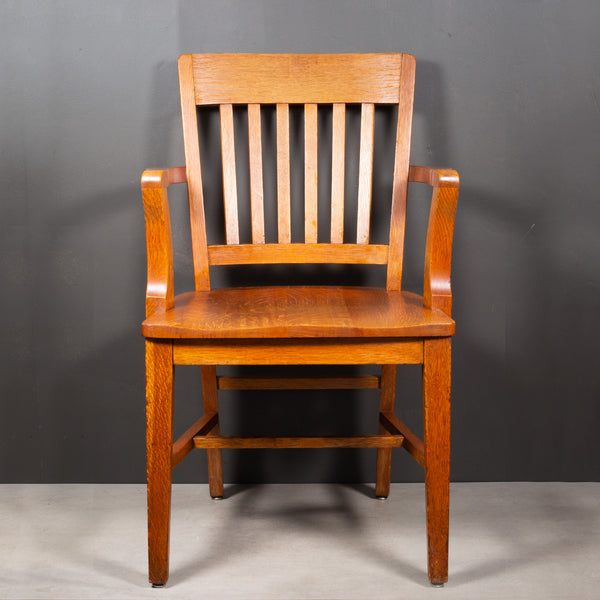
[(159, 291), (437, 292)]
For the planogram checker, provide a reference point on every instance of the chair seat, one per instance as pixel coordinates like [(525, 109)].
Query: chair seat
[(298, 312)]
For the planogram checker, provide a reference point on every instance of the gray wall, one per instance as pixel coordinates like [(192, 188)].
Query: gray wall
[(508, 93)]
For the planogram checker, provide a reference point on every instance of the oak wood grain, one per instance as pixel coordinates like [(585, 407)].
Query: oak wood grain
[(184, 444), (365, 173), (436, 428), (437, 292), (298, 312), (338, 168), (284, 227), (435, 177), (296, 78), (159, 439), (308, 382), (298, 352), (159, 246), (352, 441), (384, 455), (257, 208), (311, 162), (412, 444), (191, 148), (401, 166), (232, 229), (211, 406), (372, 254)]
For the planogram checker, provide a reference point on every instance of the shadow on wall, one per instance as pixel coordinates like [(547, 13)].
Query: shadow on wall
[(93, 393), (526, 292), (78, 418), (291, 412), (523, 373), (81, 412), (525, 304)]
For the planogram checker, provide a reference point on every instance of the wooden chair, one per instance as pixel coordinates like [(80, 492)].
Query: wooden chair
[(298, 325)]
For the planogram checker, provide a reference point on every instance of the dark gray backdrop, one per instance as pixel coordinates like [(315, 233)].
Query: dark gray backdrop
[(508, 93)]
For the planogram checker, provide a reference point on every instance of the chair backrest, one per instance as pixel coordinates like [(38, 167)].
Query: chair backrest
[(311, 80)]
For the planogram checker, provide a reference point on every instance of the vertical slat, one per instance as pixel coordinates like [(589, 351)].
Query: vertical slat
[(365, 173), (338, 153), (232, 230), (257, 210), (284, 229), (193, 173), (401, 166), (310, 173)]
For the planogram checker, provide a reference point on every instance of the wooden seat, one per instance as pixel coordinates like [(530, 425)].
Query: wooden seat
[(291, 325), (298, 312)]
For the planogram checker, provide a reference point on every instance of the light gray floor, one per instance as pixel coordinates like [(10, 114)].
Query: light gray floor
[(511, 541)]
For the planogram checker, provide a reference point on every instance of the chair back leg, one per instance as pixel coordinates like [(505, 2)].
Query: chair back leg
[(211, 405), (384, 455)]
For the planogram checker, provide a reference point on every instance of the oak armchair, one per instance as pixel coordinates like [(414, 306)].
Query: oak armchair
[(309, 325)]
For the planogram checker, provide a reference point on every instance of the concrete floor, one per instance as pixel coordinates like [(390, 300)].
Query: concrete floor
[(508, 540)]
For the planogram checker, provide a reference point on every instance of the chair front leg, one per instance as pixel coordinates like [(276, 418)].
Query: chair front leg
[(159, 443), (384, 455), (436, 422)]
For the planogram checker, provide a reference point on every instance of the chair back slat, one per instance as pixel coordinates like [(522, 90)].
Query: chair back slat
[(338, 159), (311, 190), (365, 173), (284, 226), (311, 81), (257, 209), (254, 254), (232, 230), (296, 78)]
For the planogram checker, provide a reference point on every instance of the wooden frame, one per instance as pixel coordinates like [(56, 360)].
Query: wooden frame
[(295, 325)]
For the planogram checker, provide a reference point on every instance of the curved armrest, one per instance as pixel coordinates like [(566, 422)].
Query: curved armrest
[(159, 291), (437, 292)]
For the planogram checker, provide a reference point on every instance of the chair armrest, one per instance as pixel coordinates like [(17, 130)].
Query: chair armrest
[(437, 292), (159, 291)]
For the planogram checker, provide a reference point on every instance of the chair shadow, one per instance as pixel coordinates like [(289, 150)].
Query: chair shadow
[(519, 549), (311, 516)]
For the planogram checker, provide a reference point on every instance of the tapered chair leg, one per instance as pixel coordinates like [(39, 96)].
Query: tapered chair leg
[(436, 425), (159, 440), (215, 461), (384, 455)]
